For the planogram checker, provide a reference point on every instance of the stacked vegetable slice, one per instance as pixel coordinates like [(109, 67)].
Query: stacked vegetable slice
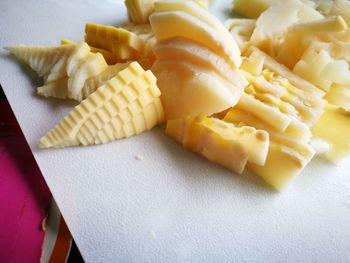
[(197, 60)]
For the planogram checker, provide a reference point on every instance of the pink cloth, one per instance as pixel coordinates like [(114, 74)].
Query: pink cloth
[(24, 198)]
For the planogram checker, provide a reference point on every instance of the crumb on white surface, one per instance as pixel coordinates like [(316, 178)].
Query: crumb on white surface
[(138, 157), (153, 235)]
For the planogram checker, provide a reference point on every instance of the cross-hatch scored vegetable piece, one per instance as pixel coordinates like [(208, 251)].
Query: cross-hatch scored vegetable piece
[(123, 43), (126, 105), (221, 142)]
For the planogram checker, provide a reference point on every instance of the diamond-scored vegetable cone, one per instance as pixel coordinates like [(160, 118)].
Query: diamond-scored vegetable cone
[(126, 105)]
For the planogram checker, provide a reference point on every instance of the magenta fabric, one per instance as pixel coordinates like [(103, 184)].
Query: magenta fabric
[(24, 198)]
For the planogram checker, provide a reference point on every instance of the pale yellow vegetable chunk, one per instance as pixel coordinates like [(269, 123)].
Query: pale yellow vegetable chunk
[(289, 151), (221, 142), (186, 50), (139, 10), (55, 89), (188, 26), (334, 128), (110, 58), (283, 164), (241, 29), (110, 72), (41, 59), (278, 87), (252, 8), (342, 8), (126, 105), (121, 42), (189, 89), (64, 68)]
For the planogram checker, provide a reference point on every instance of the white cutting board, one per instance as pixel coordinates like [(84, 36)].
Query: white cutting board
[(172, 206)]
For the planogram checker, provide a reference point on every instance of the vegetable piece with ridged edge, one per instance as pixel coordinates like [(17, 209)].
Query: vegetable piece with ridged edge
[(121, 42), (289, 152), (221, 142), (41, 59), (124, 106), (64, 68), (110, 58), (110, 72), (145, 32)]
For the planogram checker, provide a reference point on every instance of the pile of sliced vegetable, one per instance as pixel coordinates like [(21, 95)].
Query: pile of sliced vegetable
[(265, 93)]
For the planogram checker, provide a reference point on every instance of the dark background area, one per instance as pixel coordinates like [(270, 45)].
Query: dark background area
[(74, 256), (2, 95)]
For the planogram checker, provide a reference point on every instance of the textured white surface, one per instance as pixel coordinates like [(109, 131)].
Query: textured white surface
[(172, 206)]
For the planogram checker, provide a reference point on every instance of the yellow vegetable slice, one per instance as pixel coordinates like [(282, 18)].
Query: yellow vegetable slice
[(41, 59), (91, 65), (334, 128), (55, 89), (189, 89), (189, 26), (252, 8), (123, 43), (283, 71), (110, 72), (221, 142), (296, 131), (320, 68), (186, 50), (139, 10), (117, 98), (145, 32), (241, 29), (339, 95), (64, 68), (283, 164), (270, 115), (194, 9), (289, 152), (110, 58), (341, 8), (268, 33), (253, 65)]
